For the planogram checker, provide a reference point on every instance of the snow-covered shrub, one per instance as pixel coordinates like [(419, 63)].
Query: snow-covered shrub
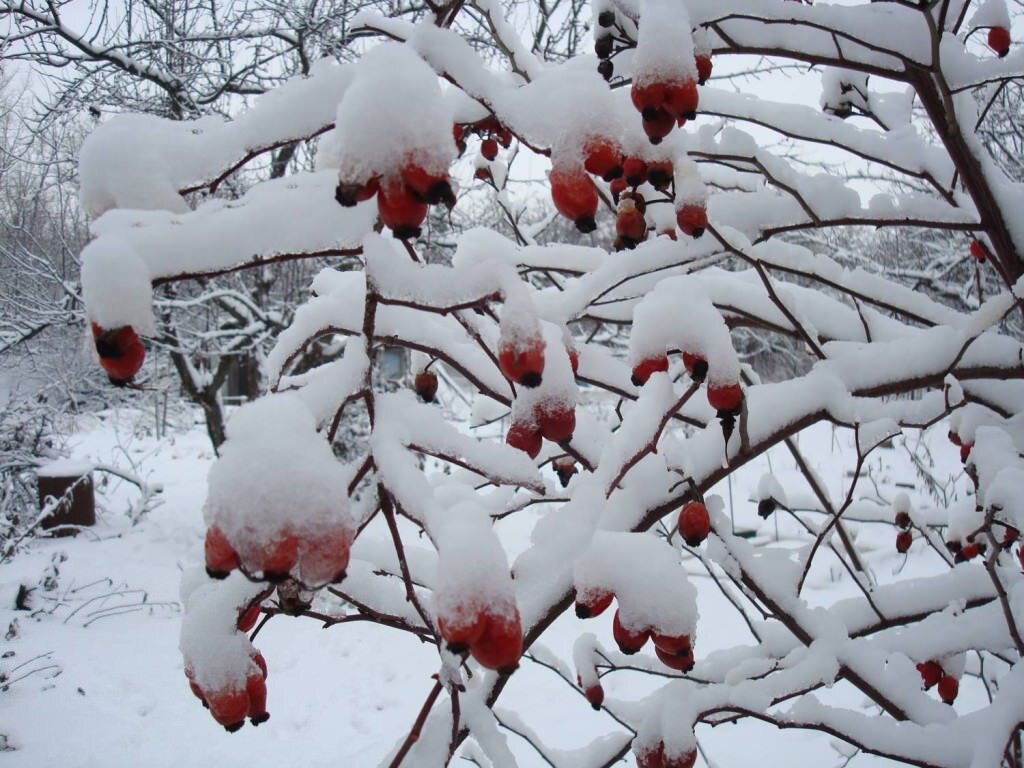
[(705, 219)]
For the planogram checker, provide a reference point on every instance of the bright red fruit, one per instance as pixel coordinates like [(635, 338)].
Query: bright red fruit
[(324, 559), (399, 210), (954, 438), (694, 523), (574, 361), (681, 662), (692, 220), (682, 99), (630, 224), (903, 541), (648, 97), (525, 437), (556, 421), (592, 603), (489, 148), (523, 362), (659, 174), (279, 557), (595, 695), (425, 385), (121, 352), (635, 171), (902, 520), (247, 619), (630, 641), (349, 193), (657, 124), (672, 643), (969, 552), (428, 187), (462, 631), (965, 451), (685, 760), (603, 158), (229, 708), (650, 757), (221, 557), (1010, 535), (501, 643), (575, 197), (725, 398), (642, 371), (931, 673), (695, 365), (999, 40), (949, 687), (256, 689), (704, 67), (978, 251)]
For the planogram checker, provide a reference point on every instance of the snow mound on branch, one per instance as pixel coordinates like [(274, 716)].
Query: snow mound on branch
[(218, 655), (393, 114), (275, 474), (646, 578), (664, 50), (116, 286), (473, 573)]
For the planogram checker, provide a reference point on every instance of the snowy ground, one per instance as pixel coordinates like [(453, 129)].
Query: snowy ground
[(109, 690)]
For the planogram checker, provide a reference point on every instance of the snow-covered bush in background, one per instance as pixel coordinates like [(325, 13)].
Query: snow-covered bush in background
[(704, 220)]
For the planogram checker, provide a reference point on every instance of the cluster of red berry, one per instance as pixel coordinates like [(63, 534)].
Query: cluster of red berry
[(402, 198), (320, 559), (724, 397), (656, 757), (932, 674)]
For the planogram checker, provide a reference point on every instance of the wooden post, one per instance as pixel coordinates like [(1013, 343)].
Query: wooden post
[(71, 483)]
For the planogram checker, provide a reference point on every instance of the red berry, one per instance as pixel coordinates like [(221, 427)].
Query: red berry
[(704, 67), (489, 148), (725, 398), (635, 171), (229, 707), (592, 603), (595, 695), (260, 662), (672, 643), (221, 557), (631, 225), (121, 352), (197, 691), (523, 361), (504, 136), (462, 630), (1009, 536), (400, 211), (650, 757), (681, 662), (425, 385), (954, 438), (949, 687), (324, 559), (617, 187), (659, 174), (575, 197), (279, 557), (657, 124), (565, 467), (647, 97), (642, 371), (694, 523), (501, 643), (902, 520), (682, 99), (556, 421), (999, 40), (349, 193), (903, 541), (969, 552), (630, 641), (574, 361), (525, 437), (692, 220), (427, 187), (256, 689), (695, 365), (602, 158), (931, 673), (978, 251), (247, 618), (965, 451)]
